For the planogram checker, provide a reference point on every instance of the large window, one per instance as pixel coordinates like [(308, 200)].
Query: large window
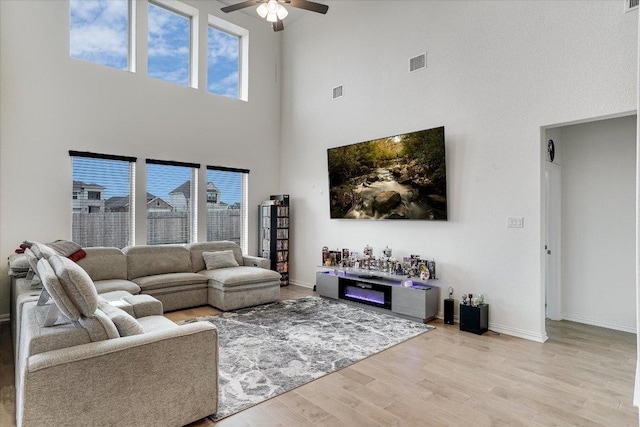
[(101, 199), (172, 42), (227, 205), (100, 32), (227, 59), (171, 202)]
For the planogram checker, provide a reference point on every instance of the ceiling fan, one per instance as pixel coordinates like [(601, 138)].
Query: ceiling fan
[(274, 11)]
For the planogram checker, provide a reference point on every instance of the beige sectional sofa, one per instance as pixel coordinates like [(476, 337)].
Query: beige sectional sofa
[(89, 369), (98, 364), (177, 276)]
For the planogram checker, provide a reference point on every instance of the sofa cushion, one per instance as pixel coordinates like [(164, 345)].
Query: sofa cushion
[(197, 249), (56, 291), (76, 283), (235, 276), (219, 259), (125, 323), (156, 323), (168, 280), (149, 260), (103, 286), (19, 263), (37, 338), (104, 263), (99, 326)]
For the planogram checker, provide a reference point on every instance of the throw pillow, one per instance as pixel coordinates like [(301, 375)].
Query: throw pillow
[(219, 259), (125, 323)]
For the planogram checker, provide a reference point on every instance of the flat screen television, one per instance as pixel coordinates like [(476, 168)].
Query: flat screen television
[(398, 177)]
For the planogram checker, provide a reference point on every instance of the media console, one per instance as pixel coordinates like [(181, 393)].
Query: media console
[(418, 301)]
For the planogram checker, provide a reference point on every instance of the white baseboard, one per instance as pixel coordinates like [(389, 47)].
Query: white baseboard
[(303, 284), (601, 323), (519, 333), (5, 317)]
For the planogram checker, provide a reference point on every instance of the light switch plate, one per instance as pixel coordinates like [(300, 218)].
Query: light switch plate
[(515, 222)]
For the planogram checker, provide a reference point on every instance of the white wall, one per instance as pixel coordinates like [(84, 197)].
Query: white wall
[(51, 103), (497, 72), (598, 223)]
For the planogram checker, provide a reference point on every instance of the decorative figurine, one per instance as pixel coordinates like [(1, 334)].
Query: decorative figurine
[(464, 299), (387, 252), (325, 255), (368, 251)]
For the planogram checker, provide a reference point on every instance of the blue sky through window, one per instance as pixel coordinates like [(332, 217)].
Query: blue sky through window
[(99, 31), (169, 45), (222, 63)]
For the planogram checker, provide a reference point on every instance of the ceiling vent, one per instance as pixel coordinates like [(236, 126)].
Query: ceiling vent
[(418, 63), (338, 92), (630, 5)]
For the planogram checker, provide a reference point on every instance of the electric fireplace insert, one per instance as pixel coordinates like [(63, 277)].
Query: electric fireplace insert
[(365, 293)]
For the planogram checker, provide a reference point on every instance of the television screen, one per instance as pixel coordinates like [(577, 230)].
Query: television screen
[(399, 177)]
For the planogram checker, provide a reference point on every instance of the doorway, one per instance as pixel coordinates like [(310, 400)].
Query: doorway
[(588, 215)]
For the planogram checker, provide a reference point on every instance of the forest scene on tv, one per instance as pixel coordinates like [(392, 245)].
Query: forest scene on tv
[(400, 177)]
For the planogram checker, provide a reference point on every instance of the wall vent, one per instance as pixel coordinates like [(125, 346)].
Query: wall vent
[(630, 5), (338, 92), (418, 63)]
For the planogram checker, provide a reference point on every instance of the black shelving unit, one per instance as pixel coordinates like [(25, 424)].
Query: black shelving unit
[(274, 234)]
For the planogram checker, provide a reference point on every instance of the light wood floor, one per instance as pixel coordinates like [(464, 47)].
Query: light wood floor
[(582, 376)]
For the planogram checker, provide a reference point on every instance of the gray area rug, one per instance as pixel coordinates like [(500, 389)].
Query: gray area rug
[(269, 349)]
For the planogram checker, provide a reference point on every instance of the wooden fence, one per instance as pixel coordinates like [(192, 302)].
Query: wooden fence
[(112, 228)]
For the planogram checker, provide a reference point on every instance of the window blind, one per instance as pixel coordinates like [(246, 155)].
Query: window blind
[(171, 202), (227, 196), (101, 199)]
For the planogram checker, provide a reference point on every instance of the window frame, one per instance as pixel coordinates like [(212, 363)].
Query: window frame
[(132, 167), (243, 54), (192, 14)]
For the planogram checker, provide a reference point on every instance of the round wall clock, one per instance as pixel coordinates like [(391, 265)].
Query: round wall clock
[(551, 150)]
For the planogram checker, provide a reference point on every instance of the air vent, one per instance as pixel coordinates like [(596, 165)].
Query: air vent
[(418, 63), (338, 92), (630, 5)]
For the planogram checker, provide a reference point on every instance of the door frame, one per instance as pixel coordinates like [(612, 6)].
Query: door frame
[(553, 241)]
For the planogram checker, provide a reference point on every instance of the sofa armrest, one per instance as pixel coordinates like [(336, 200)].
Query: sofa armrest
[(168, 377), (255, 261)]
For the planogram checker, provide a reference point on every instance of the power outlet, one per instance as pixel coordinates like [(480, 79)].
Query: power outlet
[(515, 222)]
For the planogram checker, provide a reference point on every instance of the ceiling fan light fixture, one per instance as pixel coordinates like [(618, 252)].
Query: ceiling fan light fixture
[(262, 10), (272, 5), (272, 17), (282, 12)]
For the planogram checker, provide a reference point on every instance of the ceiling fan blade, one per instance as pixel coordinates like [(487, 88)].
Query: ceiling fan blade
[(242, 5), (309, 5), (278, 25)]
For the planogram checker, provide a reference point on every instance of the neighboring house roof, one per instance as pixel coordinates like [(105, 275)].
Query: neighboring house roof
[(185, 189), (80, 184), (116, 202), (212, 187), (123, 201)]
